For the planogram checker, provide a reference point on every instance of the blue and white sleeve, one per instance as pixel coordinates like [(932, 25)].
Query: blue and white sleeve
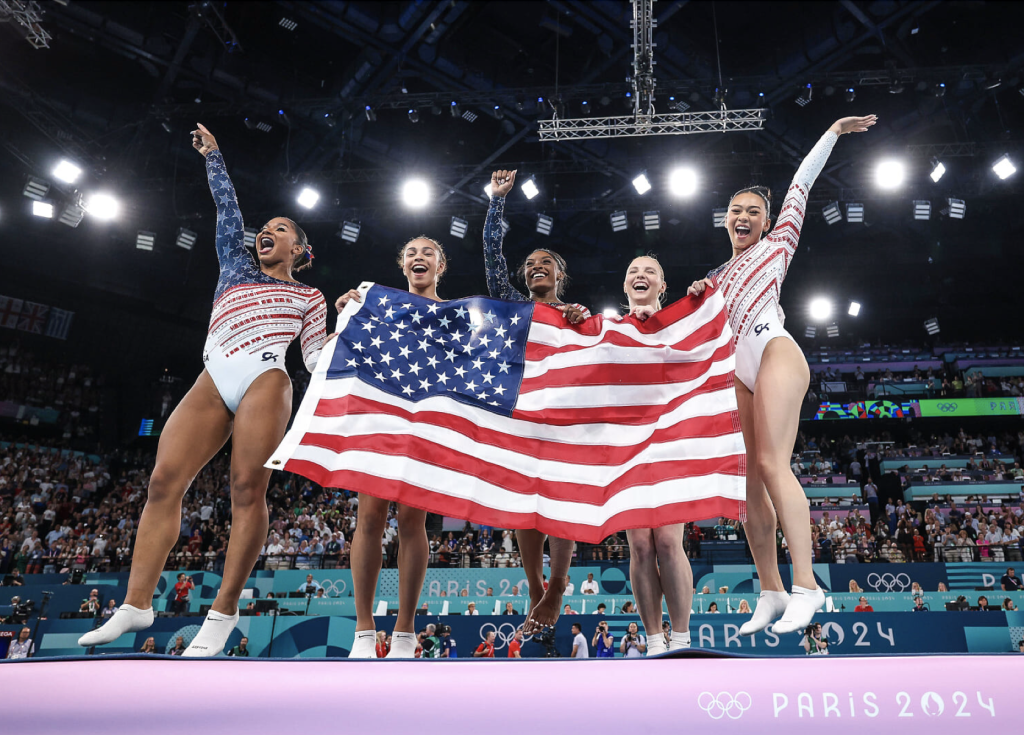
[(231, 252), (498, 285)]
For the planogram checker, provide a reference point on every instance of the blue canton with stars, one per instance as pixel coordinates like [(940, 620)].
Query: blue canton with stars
[(470, 349)]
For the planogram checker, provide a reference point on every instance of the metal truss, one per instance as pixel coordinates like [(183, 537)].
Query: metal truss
[(680, 123), (643, 24), (27, 15)]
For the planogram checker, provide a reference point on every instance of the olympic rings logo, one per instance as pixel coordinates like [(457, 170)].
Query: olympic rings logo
[(890, 582), (724, 704), (946, 407), (503, 634), (334, 587)]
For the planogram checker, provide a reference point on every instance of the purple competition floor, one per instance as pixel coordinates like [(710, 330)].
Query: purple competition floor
[(669, 694)]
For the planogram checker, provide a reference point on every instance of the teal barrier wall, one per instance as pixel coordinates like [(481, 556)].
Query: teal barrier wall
[(915, 463)]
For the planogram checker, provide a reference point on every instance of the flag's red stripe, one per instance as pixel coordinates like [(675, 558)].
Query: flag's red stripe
[(427, 452), (674, 312), (698, 426), (705, 333), (631, 415), (416, 497), (653, 373)]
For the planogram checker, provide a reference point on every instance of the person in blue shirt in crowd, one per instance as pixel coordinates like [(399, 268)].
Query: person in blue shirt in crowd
[(603, 642), (448, 647)]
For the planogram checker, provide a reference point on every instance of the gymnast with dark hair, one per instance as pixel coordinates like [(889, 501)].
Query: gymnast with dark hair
[(244, 393), (546, 275), (423, 262), (771, 380)]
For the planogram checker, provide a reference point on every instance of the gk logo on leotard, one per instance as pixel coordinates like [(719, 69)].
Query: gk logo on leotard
[(760, 328), (267, 356)]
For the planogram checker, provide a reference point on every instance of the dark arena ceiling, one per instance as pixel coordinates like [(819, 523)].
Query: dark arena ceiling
[(121, 84)]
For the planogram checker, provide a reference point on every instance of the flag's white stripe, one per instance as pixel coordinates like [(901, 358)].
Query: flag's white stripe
[(609, 354), (671, 334), (457, 485), (603, 396), (600, 476)]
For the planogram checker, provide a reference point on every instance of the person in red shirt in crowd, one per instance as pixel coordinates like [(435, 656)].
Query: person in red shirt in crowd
[(382, 644), (863, 606), (181, 592), (485, 649), (516, 645)]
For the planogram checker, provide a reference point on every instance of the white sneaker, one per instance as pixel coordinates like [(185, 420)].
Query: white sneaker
[(364, 645), (770, 605), (800, 610)]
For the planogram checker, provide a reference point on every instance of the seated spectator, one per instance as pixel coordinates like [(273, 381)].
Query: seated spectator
[(1010, 582), (744, 608), (567, 610), (179, 646), (471, 609), (863, 606), (241, 650), (713, 607), (509, 610), (590, 586), (110, 609), (149, 646), (919, 605), (628, 608), (982, 603), (1009, 605)]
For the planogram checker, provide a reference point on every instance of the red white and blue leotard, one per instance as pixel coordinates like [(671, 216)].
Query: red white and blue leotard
[(255, 317), (752, 281)]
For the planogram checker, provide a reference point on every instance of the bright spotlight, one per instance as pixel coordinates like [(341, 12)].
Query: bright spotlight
[(103, 206), (821, 309), (641, 184), (67, 172), (42, 209), (415, 193), (489, 191), (530, 188), (610, 311), (682, 182), (1004, 168), (889, 174), (854, 309), (308, 198), (937, 172)]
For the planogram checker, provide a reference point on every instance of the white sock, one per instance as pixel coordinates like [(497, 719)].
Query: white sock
[(127, 619), (364, 645), (800, 610), (679, 640), (212, 636), (403, 645), (656, 644), (770, 605)]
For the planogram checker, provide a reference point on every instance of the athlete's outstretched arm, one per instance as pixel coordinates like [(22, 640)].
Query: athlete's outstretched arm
[(230, 231), (498, 284)]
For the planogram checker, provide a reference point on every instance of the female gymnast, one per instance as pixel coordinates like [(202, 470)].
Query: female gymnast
[(243, 393), (658, 566), (771, 380), (544, 272), (423, 262)]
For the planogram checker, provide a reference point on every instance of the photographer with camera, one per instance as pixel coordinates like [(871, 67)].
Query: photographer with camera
[(813, 643), (20, 611), (603, 642), (448, 647), (23, 647), (634, 644), (182, 591), (92, 605)]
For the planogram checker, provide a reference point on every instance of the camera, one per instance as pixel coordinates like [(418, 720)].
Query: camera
[(21, 612)]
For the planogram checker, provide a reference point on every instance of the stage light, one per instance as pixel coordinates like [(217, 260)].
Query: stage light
[(454, 109), (937, 172), (652, 220), (682, 182), (67, 172), (718, 216), (186, 239), (1004, 167), (435, 109), (922, 209), (469, 116), (610, 311), (896, 87), (832, 213), (459, 227), (619, 221), (641, 184), (544, 224), (103, 206), (280, 114), (329, 120), (415, 193), (288, 24), (821, 309), (73, 212), (810, 332), (805, 97), (371, 116), (851, 94), (263, 127), (36, 188), (854, 212), (854, 309), (249, 237), (530, 188), (498, 112), (957, 208), (931, 326), (488, 190), (832, 331), (679, 105), (414, 116), (308, 198), (42, 209), (889, 174), (144, 240), (939, 89), (349, 231)]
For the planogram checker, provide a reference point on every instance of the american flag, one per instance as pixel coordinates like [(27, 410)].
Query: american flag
[(503, 413)]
